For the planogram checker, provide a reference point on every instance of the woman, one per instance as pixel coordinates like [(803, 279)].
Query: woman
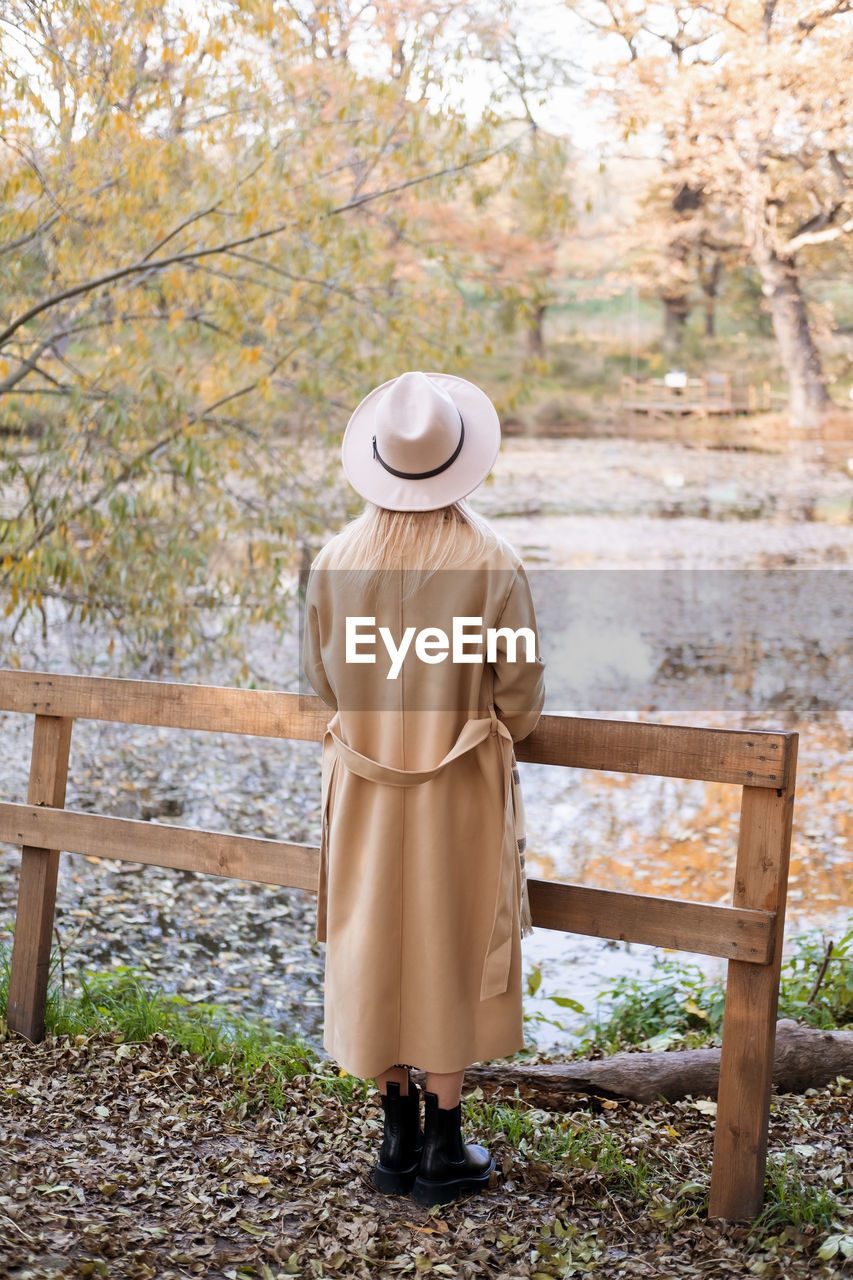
[(420, 633)]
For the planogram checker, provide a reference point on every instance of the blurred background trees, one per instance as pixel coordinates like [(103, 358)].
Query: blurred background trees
[(221, 223), (216, 233), (750, 109)]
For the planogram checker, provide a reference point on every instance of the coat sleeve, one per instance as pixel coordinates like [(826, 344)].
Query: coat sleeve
[(519, 684), (312, 652)]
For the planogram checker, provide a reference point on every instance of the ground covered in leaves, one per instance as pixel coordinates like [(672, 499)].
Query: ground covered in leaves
[(139, 1160)]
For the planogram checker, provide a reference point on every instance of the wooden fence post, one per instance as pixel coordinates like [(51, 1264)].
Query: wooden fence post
[(752, 995), (37, 885)]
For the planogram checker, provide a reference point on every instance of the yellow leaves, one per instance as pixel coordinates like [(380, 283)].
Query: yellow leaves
[(275, 164), (255, 1179), (189, 45)]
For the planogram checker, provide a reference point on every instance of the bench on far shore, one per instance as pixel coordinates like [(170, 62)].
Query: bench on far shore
[(748, 933)]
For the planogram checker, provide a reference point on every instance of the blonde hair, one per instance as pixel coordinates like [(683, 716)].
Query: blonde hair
[(417, 542)]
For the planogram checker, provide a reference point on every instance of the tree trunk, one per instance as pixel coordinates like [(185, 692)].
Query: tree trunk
[(808, 396), (804, 1059), (536, 331), (710, 284), (676, 309), (675, 293)]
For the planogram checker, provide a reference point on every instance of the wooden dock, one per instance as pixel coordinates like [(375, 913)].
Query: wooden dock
[(713, 393)]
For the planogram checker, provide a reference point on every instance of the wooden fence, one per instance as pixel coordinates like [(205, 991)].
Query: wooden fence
[(748, 933)]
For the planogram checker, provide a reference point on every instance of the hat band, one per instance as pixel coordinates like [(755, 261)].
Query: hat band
[(422, 475)]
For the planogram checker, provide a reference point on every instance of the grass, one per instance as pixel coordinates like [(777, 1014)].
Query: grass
[(677, 1007), (549, 1136), (792, 1201), (672, 1179), (119, 1001)]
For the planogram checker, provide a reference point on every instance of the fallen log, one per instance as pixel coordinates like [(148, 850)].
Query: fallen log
[(805, 1058)]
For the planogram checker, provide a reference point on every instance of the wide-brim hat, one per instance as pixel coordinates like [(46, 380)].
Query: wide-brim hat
[(420, 441)]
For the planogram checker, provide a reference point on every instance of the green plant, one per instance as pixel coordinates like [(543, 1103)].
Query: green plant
[(583, 1144), (791, 1201), (5, 961), (120, 1001), (679, 1007), (533, 986), (676, 1005), (817, 981)]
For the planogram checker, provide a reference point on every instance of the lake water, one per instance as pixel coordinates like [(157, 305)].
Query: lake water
[(690, 586), (682, 585)]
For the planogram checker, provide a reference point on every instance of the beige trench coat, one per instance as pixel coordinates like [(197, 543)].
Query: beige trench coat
[(419, 891)]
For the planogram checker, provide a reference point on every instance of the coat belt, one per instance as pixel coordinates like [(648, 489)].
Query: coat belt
[(496, 966)]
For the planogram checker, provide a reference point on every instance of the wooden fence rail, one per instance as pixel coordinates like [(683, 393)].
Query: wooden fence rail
[(748, 933)]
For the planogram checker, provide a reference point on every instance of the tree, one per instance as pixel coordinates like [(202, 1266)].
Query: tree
[(514, 241), (211, 244), (750, 106)]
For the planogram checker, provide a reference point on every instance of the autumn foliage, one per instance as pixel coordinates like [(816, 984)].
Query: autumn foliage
[(216, 233)]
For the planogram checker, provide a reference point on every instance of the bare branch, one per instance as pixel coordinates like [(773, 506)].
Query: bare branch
[(818, 237), (614, 27), (809, 21), (767, 18), (825, 218), (194, 217), (12, 245), (133, 464), (724, 15), (28, 364), (329, 285), (844, 179)]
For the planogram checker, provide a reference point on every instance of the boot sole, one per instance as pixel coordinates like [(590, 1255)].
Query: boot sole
[(394, 1182), (427, 1193)]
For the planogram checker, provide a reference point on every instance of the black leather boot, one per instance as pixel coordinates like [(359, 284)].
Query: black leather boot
[(401, 1147), (449, 1169)]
